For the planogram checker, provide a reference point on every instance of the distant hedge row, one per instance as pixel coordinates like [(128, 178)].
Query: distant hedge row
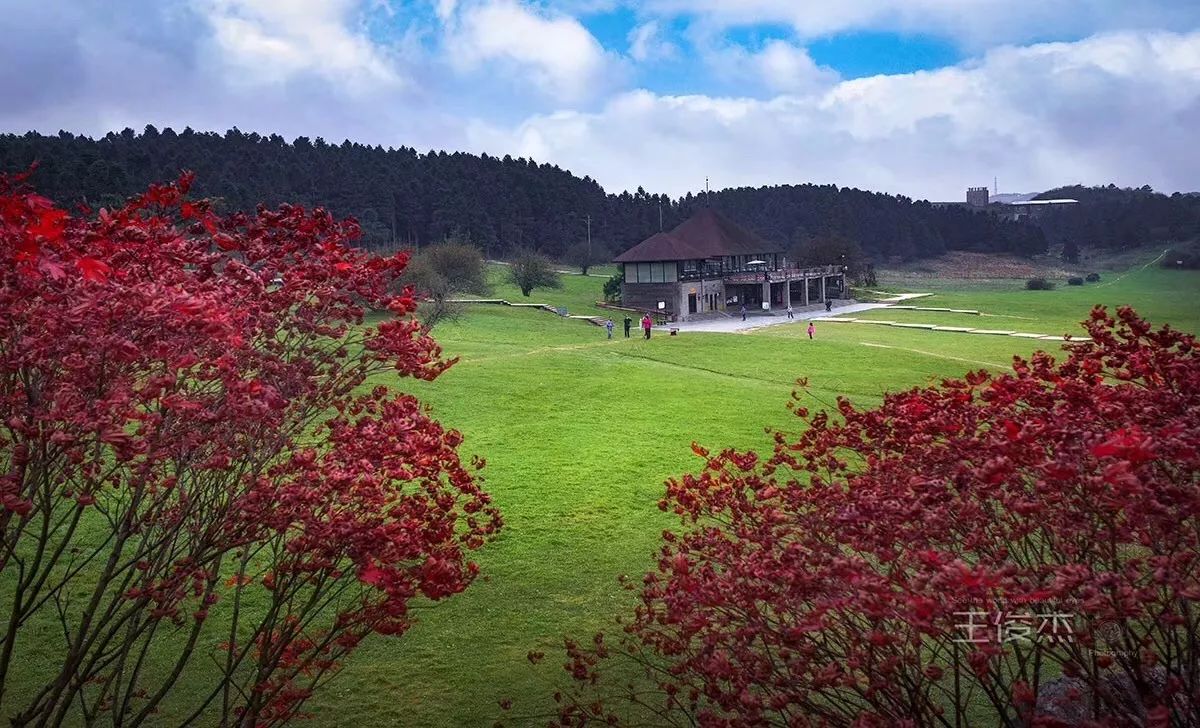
[(1042, 284)]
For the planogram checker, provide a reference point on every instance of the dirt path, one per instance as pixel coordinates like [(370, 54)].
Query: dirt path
[(1139, 270)]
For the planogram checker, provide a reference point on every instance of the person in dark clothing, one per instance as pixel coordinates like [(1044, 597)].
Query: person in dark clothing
[(828, 305), (628, 326), (743, 312)]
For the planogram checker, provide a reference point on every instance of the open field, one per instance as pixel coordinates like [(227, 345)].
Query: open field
[(579, 433), (1058, 311)]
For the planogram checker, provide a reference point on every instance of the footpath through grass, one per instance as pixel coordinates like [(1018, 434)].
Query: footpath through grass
[(579, 434)]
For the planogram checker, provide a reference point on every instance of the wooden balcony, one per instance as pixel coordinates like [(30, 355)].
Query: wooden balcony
[(781, 275)]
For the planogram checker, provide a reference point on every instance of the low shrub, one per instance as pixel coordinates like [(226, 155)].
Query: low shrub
[(1074, 281), (1038, 284), (1092, 277)]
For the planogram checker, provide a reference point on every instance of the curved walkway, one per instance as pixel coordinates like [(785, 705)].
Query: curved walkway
[(734, 324)]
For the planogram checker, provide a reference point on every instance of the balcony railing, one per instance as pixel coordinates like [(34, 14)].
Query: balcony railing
[(751, 275), (781, 275)]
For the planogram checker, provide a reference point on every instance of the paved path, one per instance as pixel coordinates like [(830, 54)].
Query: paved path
[(734, 323)]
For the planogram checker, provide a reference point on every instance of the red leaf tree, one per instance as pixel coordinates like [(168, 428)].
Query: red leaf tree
[(1020, 549), (194, 473)]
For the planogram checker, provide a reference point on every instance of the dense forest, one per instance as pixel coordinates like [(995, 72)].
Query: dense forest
[(1119, 217), (404, 199)]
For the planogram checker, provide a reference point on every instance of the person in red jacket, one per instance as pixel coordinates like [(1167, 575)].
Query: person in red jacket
[(646, 324)]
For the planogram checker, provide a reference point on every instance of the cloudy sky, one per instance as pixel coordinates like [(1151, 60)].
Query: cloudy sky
[(921, 97)]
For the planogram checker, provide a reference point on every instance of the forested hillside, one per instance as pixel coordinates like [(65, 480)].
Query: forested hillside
[(404, 198), (1119, 217)]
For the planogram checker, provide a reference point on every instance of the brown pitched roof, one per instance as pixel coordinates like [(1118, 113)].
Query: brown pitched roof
[(707, 234)]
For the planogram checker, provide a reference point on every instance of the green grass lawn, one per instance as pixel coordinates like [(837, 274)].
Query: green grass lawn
[(579, 433), (1166, 296), (578, 294)]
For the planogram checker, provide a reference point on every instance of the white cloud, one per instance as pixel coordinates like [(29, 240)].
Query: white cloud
[(978, 23), (786, 67), (1116, 107), (648, 43), (555, 52), (268, 41)]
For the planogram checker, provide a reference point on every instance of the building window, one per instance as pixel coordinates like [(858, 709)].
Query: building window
[(643, 272)]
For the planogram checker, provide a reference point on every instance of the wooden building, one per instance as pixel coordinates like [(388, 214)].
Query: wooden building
[(709, 263)]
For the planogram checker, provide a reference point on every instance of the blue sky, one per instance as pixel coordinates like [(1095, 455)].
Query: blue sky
[(921, 97)]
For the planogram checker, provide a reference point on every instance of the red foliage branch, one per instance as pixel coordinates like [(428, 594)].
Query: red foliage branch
[(1021, 549), (187, 456)]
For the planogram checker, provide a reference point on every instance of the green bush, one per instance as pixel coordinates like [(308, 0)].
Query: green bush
[(1092, 277), (1074, 281), (1038, 284), (612, 287)]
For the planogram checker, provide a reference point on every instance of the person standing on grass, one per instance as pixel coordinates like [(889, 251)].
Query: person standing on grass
[(790, 315), (628, 325), (646, 324), (608, 326), (812, 329)]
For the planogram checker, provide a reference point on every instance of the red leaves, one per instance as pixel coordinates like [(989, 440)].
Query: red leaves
[(93, 269), (372, 575), (50, 224), (934, 536), (1129, 444), (224, 241), (181, 393)]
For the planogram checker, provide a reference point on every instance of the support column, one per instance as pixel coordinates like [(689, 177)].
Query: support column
[(766, 287), (806, 291), (823, 299), (787, 296)]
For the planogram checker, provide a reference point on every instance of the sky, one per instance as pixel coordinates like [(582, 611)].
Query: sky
[(917, 97)]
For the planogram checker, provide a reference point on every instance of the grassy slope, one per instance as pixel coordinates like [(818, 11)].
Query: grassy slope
[(579, 433)]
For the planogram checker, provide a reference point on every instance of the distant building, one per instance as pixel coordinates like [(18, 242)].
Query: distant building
[(977, 197), (709, 263), (1034, 208)]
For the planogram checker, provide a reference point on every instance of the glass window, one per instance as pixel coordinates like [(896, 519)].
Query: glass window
[(630, 273), (656, 272), (643, 272), (670, 272)]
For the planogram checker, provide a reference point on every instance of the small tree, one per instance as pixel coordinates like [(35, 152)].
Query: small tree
[(187, 443), (948, 554), (530, 270), (583, 256), (438, 273), (1070, 251), (612, 287)]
